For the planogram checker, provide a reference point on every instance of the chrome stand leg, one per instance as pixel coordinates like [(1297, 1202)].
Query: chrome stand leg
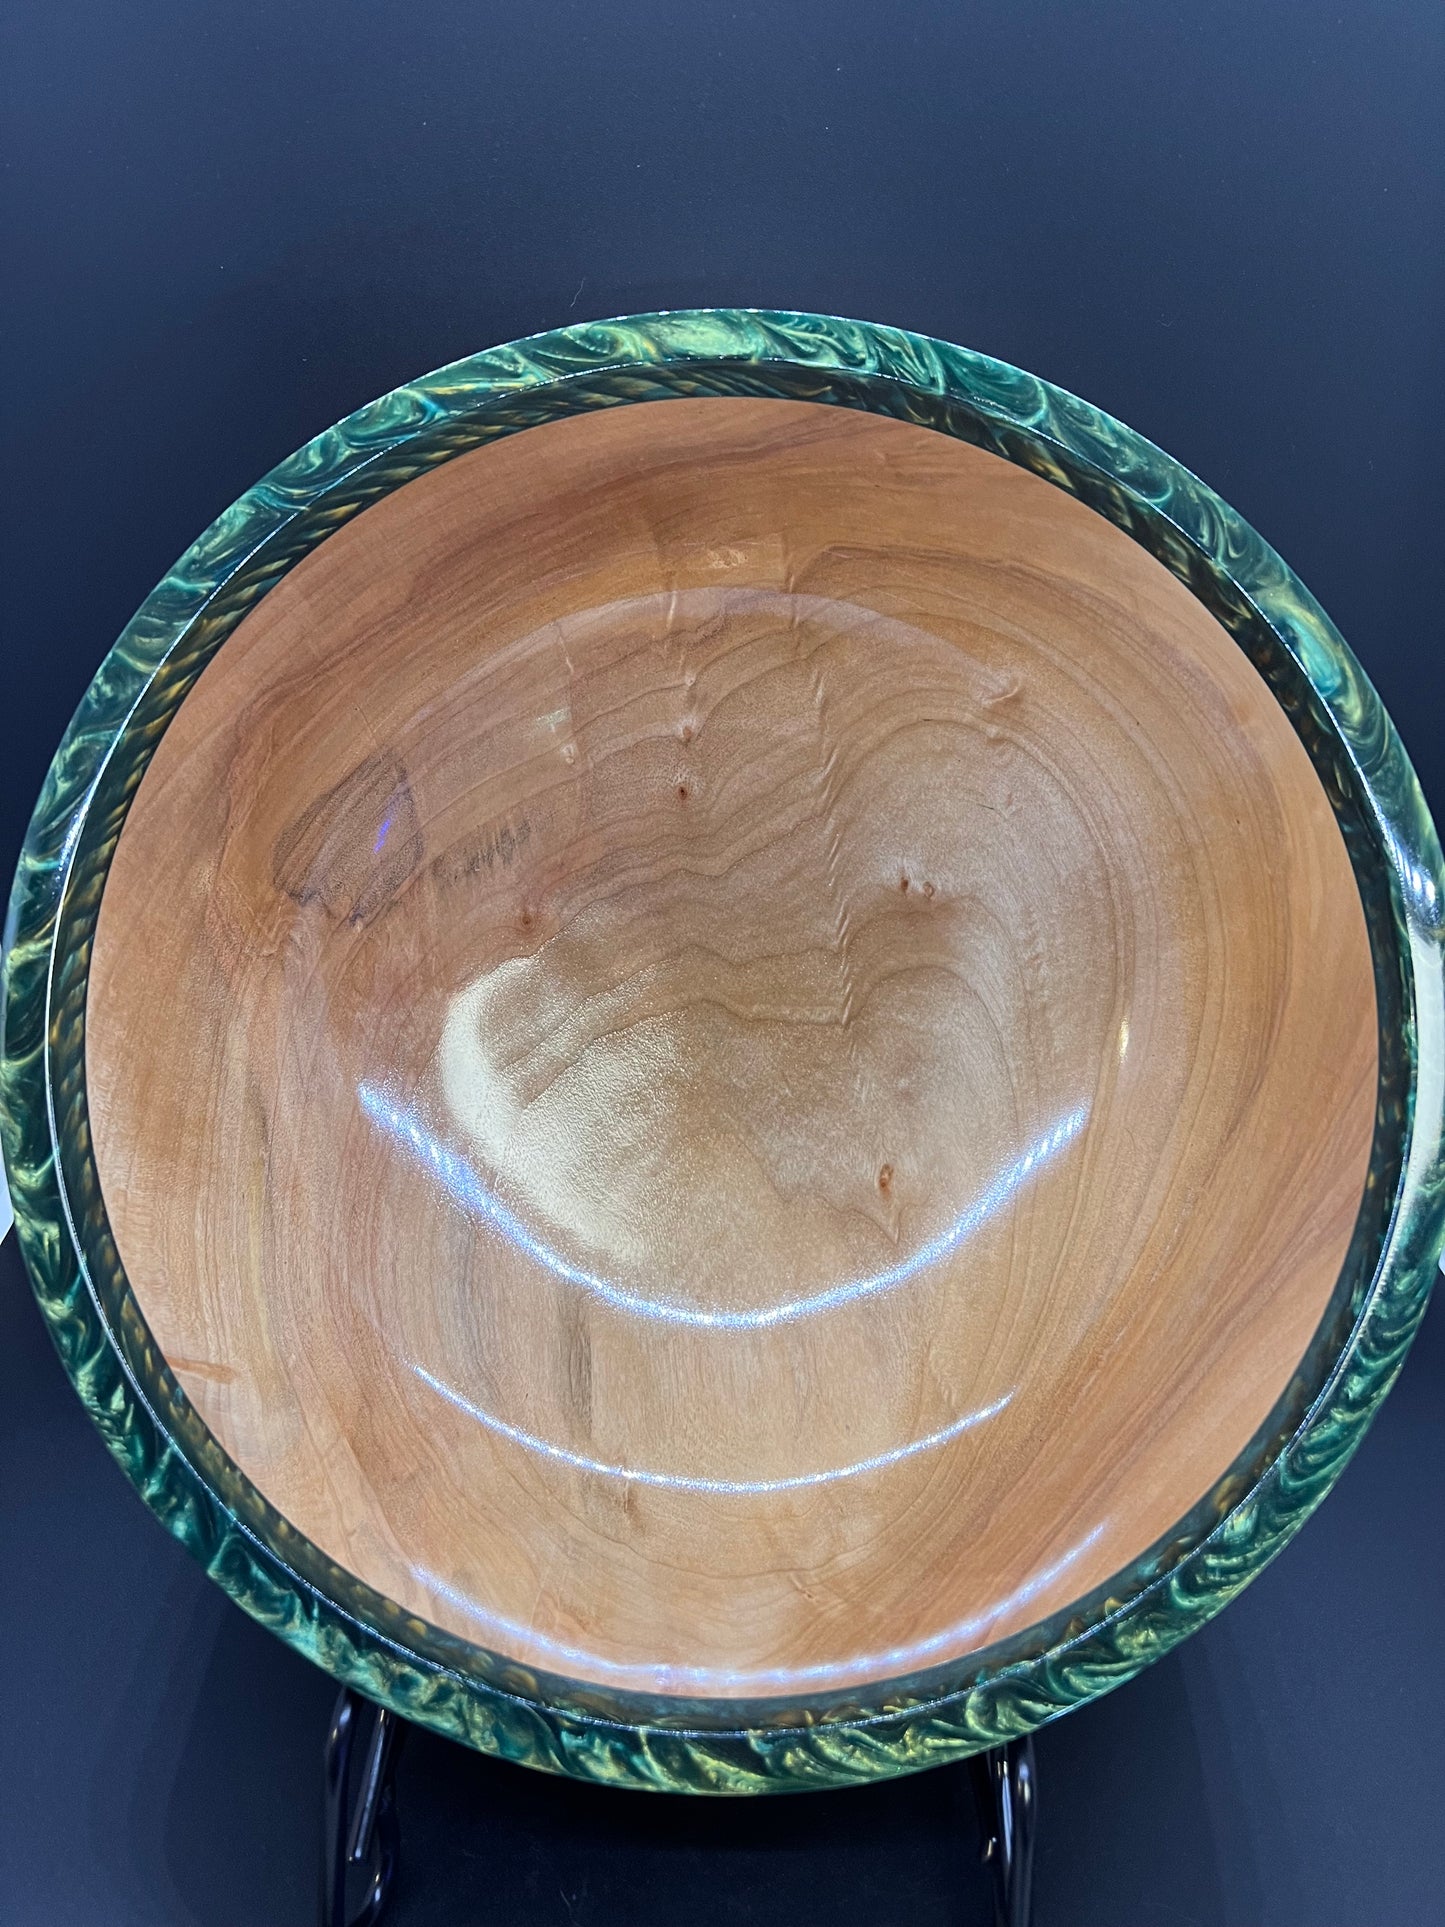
[(1004, 1786), (361, 1830), (361, 1827)]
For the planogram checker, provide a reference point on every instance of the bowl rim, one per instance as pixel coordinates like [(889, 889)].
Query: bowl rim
[(449, 1683)]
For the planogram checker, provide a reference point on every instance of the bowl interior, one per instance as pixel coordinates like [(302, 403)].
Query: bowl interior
[(731, 1047)]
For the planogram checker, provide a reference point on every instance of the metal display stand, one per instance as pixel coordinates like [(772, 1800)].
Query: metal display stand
[(1004, 1780), (361, 1837)]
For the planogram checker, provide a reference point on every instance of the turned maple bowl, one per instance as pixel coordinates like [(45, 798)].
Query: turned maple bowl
[(723, 1051)]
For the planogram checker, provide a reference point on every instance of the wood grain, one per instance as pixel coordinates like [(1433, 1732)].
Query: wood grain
[(731, 1047)]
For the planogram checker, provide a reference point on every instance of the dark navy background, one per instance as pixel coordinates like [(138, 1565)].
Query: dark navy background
[(223, 227)]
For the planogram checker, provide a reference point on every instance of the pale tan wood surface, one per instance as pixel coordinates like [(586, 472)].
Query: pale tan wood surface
[(731, 1047)]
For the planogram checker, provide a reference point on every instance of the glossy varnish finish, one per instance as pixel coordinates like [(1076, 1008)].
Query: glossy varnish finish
[(731, 1047)]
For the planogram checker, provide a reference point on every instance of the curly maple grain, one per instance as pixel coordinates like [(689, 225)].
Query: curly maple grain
[(795, 1029)]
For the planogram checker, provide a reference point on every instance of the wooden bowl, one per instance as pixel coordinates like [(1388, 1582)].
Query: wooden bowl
[(730, 1094)]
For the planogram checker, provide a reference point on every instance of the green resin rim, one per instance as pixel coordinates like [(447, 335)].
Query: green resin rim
[(282, 1579)]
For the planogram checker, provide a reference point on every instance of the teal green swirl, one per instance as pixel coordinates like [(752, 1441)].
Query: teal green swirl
[(281, 1578)]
